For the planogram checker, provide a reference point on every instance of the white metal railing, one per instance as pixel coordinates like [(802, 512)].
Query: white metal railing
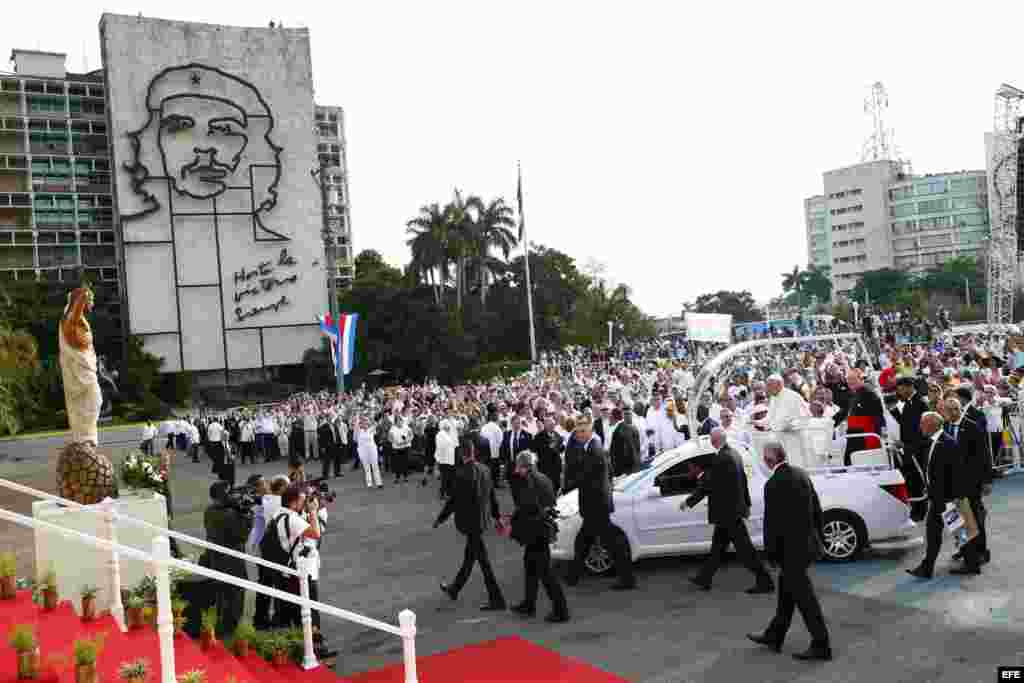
[(162, 563), (108, 509)]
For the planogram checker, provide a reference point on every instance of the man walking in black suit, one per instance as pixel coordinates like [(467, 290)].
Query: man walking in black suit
[(471, 496), (942, 473), (977, 463), (792, 540), (625, 446), (725, 485), (914, 406), (548, 446), (596, 507), (513, 442), (535, 501)]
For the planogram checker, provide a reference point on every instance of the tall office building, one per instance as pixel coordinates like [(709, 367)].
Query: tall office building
[(56, 207), (876, 216), (330, 129)]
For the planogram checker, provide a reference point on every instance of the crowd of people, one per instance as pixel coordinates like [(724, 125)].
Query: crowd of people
[(942, 408)]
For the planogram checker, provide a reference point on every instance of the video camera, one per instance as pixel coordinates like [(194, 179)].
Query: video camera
[(319, 490), (243, 499)]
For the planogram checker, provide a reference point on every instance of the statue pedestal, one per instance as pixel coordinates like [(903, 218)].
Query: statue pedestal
[(78, 564)]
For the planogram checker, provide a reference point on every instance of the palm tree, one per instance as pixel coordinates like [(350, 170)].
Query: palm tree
[(429, 244), (462, 228), (493, 230), (794, 280)]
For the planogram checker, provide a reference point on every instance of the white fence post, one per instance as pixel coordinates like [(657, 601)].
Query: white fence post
[(114, 564), (164, 618), (407, 622), (309, 660)]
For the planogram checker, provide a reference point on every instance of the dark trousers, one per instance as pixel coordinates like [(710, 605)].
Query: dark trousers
[(331, 458), (447, 479), (248, 452), (287, 614), (601, 528), (537, 563), (267, 577), (495, 465), (386, 463), (996, 440), (797, 592), (980, 514), (736, 534), (476, 551), (400, 462), (933, 533)]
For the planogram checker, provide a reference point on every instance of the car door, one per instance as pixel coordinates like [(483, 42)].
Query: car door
[(662, 528)]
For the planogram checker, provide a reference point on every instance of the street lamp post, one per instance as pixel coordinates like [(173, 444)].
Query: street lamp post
[(329, 234), (611, 325)]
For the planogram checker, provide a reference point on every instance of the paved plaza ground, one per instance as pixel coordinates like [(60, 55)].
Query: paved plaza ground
[(381, 556)]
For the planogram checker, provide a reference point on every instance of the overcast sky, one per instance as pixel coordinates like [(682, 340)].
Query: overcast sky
[(672, 141)]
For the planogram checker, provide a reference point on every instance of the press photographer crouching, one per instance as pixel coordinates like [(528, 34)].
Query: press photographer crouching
[(227, 523), (297, 530)]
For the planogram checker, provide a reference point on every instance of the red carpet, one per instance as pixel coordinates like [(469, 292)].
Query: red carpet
[(58, 630), (505, 660)]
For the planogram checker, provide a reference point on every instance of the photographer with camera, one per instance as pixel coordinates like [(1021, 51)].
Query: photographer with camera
[(227, 525), (284, 543)]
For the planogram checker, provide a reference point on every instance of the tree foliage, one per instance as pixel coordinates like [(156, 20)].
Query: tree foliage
[(740, 305)]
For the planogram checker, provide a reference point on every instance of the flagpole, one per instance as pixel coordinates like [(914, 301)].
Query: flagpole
[(526, 264)]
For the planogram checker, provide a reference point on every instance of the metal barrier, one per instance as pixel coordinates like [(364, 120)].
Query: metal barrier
[(162, 562)]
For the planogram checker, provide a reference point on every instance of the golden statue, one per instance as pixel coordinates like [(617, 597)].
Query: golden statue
[(83, 474)]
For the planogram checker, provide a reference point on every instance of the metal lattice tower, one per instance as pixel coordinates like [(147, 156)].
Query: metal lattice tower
[(880, 144), (1003, 253)]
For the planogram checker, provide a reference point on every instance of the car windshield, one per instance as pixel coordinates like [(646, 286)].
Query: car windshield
[(624, 482)]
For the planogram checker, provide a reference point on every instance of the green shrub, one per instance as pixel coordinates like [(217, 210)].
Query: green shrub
[(23, 638)]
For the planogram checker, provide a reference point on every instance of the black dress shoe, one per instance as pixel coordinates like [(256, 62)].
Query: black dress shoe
[(920, 572), (525, 610), (761, 587), (986, 557), (447, 590), (700, 583), (822, 653), (766, 640), (624, 586), (557, 618), (966, 570), (493, 607)]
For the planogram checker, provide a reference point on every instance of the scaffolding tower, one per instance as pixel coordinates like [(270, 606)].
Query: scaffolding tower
[(1005, 216)]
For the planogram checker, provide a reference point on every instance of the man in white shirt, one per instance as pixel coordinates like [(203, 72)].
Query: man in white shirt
[(215, 446), (311, 442), (400, 436), (148, 434), (295, 523), (493, 435)]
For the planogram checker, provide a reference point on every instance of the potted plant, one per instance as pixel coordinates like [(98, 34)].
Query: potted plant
[(133, 611), (279, 650), (244, 635), (134, 671), (23, 639), (88, 594), (45, 591), (178, 607), (208, 628), (86, 652), (193, 676), (8, 580)]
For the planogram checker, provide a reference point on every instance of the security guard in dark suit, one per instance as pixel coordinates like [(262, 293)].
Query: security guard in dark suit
[(913, 442), (792, 540), (724, 484)]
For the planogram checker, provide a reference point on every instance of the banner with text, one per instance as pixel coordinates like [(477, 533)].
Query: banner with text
[(709, 327)]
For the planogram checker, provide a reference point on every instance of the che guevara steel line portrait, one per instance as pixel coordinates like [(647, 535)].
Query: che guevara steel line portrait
[(205, 125)]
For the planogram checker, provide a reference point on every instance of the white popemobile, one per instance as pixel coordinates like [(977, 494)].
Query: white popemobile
[(865, 504)]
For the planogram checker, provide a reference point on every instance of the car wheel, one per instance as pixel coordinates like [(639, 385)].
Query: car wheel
[(844, 536), (599, 560)]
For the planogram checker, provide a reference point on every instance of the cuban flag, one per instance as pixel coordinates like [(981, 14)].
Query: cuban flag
[(342, 335)]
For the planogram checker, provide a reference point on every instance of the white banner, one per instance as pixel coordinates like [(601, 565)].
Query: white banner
[(709, 327)]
